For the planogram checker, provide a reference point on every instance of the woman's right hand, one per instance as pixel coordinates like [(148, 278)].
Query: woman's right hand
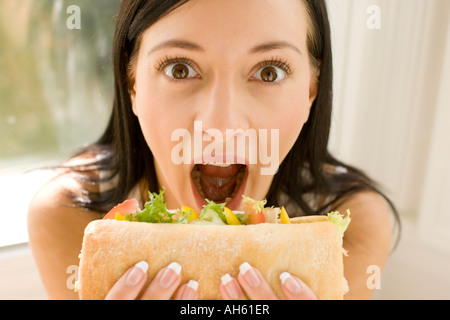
[(164, 286)]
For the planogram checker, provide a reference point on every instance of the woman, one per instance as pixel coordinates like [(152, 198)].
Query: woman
[(232, 64)]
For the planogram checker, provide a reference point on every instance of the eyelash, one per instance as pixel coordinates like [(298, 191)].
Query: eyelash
[(167, 61), (273, 62), (276, 62)]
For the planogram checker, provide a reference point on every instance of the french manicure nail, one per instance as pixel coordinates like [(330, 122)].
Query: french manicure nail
[(137, 273), (230, 286), (190, 290), (172, 271), (290, 283), (249, 274)]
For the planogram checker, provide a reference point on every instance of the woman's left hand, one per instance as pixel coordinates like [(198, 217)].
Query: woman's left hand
[(251, 285)]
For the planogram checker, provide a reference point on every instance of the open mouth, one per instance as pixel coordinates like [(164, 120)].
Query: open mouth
[(219, 182)]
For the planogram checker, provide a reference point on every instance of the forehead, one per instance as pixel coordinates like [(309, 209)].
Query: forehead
[(238, 24)]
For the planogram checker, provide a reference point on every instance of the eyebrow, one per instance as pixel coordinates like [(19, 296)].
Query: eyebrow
[(188, 45), (182, 44), (274, 45)]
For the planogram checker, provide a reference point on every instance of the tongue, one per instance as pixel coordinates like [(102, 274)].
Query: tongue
[(218, 183), (223, 172)]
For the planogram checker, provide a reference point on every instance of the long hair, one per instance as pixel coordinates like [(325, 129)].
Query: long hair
[(126, 157)]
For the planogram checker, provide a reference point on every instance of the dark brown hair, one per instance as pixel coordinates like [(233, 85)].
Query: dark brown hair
[(127, 158)]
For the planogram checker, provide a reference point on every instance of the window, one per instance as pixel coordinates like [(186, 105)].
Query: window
[(56, 68)]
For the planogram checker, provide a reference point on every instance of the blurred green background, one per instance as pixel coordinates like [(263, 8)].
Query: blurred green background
[(56, 84)]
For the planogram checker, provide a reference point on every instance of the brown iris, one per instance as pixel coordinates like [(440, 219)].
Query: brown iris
[(180, 71), (269, 74)]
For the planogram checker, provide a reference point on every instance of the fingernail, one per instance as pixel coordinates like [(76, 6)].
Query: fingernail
[(137, 273), (172, 271), (249, 275), (290, 283), (230, 286), (190, 290)]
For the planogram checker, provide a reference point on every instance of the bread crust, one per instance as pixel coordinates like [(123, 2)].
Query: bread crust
[(312, 251)]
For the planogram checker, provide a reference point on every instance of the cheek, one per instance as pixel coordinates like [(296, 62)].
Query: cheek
[(157, 116), (156, 125), (291, 131), (152, 124), (290, 119)]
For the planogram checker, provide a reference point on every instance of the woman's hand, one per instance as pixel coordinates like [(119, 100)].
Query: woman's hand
[(251, 285), (162, 287)]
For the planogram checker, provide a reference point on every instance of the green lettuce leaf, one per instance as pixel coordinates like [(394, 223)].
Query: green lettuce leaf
[(217, 207), (155, 210), (340, 222), (257, 205)]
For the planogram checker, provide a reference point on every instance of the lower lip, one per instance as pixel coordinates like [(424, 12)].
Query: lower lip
[(234, 204)]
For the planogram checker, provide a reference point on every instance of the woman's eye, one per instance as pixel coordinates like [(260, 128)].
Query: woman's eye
[(270, 74), (180, 71)]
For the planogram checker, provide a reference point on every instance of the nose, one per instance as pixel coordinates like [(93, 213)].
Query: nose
[(222, 106)]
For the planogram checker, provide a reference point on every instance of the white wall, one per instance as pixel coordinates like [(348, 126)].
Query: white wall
[(392, 109)]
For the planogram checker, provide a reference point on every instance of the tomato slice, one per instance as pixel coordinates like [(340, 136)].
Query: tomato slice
[(257, 218), (251, 214), (127, 207)]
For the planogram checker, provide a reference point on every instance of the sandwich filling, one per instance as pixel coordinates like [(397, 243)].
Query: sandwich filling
[(253, 212)]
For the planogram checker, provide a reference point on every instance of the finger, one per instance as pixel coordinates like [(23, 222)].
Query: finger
[(230, 289), (295, 289), (188, 291), (254, 285), (165, 283), (130, 284)]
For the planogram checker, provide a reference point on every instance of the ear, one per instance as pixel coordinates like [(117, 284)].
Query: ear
[(314, 83), (132, 93), (131, 75), (313, 90)]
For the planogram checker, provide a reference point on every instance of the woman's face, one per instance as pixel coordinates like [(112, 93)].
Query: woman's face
[(211, 73)]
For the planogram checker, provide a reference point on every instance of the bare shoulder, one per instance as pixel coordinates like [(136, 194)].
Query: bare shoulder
[(56, 230), (53, 201), (367, 239), (371, 220)]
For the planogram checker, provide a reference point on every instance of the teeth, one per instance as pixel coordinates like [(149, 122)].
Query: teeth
[(220, 165)]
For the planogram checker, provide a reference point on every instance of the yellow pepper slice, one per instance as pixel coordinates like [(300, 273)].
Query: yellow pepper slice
[(192, 216), (284, 216), (231, 217), (119, 217)]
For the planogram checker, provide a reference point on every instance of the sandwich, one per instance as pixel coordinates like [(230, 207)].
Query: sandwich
[(212, 243)]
